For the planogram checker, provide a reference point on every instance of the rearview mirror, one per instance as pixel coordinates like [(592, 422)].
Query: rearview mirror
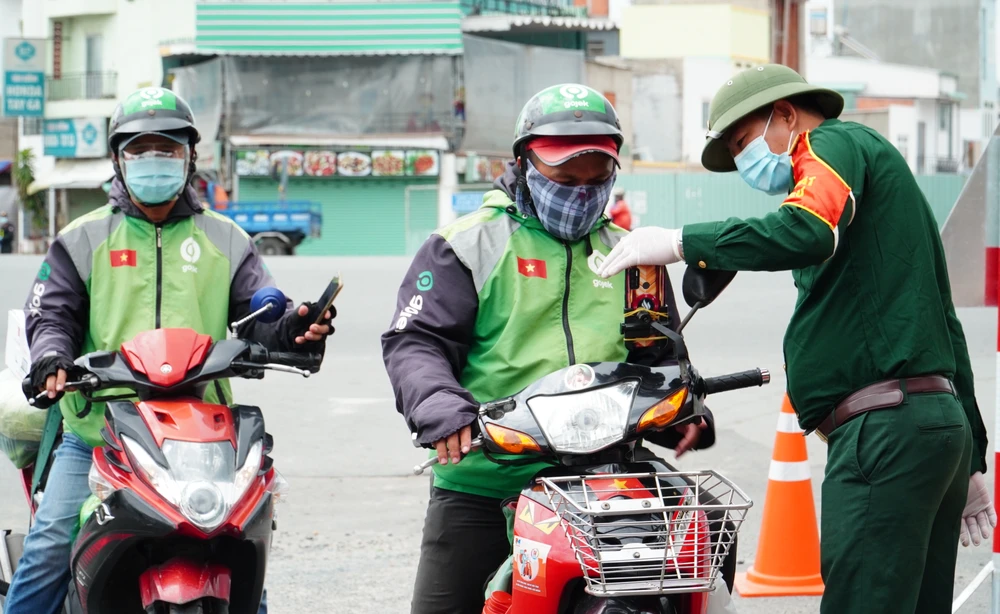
[(702, 286), (268, 296)]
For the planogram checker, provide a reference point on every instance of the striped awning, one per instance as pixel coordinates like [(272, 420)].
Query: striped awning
[(326, 27)]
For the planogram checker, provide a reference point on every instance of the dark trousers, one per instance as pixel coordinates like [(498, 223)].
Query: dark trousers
[(464, 542), (896, 484)]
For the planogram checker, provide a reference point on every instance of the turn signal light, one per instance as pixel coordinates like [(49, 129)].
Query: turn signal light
[(514, 442), (663, 413)]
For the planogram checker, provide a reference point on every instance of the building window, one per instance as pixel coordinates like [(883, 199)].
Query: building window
[(595, 47), (902, 144), (945, 113), (817, 22), (32, 126)]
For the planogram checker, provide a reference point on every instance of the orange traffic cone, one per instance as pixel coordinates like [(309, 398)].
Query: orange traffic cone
[(787, 562)]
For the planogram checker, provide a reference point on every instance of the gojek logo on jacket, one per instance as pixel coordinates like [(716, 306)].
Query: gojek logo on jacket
[(190, 252), (425, 282)]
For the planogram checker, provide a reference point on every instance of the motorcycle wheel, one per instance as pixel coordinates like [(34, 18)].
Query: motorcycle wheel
[(201, 606)]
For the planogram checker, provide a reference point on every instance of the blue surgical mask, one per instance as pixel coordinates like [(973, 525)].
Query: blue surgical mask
[(566, 212), (763, 169), (155, 181)]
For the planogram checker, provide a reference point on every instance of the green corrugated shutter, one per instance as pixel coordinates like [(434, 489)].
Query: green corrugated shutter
[(328, 28), (361, 217)]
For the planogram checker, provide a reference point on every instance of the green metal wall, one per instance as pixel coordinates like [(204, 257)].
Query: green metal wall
[(675, 199), (392, 217), (361, 217)]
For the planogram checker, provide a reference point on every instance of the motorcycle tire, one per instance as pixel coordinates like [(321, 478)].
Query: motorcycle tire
[(201, 606)]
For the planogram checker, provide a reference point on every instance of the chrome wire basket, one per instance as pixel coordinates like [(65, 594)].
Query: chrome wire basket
[(649, 533)]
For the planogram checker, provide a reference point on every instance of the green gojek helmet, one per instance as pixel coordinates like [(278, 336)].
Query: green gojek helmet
[(151, 109), (569, 109)]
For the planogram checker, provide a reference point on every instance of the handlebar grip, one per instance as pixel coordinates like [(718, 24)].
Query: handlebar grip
[(299, 360), (27, 388), (735, 381)]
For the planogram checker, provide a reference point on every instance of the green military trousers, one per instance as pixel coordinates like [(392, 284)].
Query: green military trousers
[(896, 483)]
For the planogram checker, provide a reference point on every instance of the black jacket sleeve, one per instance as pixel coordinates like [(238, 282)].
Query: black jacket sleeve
[(57, 307), (251, 276), (426, 347), (664, 354)]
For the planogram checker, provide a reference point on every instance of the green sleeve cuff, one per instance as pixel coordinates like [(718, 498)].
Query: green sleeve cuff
[(699, 244)]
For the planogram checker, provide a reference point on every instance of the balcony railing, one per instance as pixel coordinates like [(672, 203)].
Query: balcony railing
[(552, 8), (83, 86)]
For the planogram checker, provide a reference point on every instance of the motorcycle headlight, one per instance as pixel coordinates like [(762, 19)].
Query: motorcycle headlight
[(584, 422), (201, 479)]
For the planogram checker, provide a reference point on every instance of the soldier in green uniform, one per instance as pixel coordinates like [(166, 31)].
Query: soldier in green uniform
[(877, 362)]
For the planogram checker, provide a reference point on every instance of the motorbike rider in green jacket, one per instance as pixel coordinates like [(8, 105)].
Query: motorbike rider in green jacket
[(152, 257), (493, 302)]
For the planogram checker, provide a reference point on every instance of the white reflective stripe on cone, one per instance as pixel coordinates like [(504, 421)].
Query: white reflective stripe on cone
[(788, 423), (788, 472)]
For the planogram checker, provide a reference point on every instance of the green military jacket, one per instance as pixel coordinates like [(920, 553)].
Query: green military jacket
[(874, 300)]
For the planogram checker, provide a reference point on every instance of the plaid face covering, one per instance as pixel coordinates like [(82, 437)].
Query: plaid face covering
[(567, 212)]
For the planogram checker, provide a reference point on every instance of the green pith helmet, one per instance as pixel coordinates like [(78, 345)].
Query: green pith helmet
[(750, 90), (151, 109), (569, 109)]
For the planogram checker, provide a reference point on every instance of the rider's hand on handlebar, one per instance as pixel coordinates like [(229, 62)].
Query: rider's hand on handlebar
[(692, 433), (48, 374), (454, 446), (316, 332)]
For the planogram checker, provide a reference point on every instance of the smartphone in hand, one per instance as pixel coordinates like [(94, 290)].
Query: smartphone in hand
[(326, 301)]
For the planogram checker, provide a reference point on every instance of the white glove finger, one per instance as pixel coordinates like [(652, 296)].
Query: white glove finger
[(964, 537), (984, 524), (617, 260), (992, 515), (973, 530)]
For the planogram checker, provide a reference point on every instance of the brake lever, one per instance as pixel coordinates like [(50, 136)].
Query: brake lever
[(89, 380), (430, 462), (251, 366)]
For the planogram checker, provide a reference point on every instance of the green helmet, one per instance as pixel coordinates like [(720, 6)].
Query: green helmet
[(151, 109), (750, 90), (569, 109)]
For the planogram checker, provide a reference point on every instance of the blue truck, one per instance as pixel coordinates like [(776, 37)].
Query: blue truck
[(277, 227)]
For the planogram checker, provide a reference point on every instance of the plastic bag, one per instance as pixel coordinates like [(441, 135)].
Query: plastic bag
[(21, 425)]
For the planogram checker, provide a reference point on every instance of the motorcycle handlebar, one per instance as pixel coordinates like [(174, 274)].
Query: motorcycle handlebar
[(299, 360), (735, 381)]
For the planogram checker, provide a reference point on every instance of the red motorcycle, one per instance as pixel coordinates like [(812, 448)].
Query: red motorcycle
[(183, 491), (609, 527)]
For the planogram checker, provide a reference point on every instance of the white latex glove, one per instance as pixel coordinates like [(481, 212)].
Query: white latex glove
[(979, 516), (647, 245)]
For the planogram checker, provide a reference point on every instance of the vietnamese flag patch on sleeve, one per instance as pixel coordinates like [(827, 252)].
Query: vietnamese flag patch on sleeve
[(531, 268), (122, 257)]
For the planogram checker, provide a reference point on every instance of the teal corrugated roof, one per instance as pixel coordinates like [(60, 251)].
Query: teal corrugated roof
[(328, 28)]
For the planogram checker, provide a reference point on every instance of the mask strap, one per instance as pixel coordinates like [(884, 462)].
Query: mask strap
[(768, 122), (791, 137)]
